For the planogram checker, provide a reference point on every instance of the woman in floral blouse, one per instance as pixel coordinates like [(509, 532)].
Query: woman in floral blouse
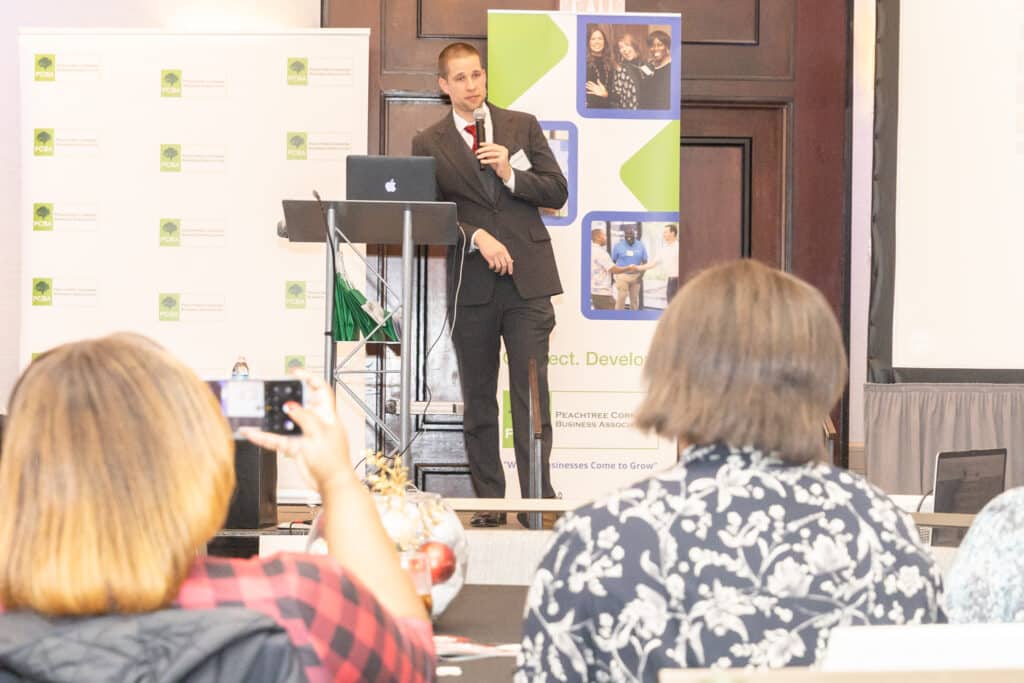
[(752, 548)]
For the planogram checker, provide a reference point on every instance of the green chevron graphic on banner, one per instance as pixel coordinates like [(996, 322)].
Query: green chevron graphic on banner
[(507, 435), (652, 174), (523, 47)]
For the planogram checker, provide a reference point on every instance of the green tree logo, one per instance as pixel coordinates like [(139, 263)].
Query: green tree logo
[(298, 71), (295, 144), (170, 232), (42, 217), (293, 363), (46, 68), (42, 291), (170, 83), (294, 294), (170, 158), (169, 306), (42, 142)]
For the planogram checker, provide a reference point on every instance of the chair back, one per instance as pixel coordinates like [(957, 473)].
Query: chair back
[(929, 653), (927, 647), (223, 645), (801, 675)]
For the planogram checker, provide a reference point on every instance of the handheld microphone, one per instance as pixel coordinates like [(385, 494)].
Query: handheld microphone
[(480, 120)]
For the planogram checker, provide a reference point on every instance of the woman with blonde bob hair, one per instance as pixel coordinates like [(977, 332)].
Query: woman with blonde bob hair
[(117, 467), (751, 548)]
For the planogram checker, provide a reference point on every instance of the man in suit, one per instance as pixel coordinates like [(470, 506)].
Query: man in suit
[(508, 265)]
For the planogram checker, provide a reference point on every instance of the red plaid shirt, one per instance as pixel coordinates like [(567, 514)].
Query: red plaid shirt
[(340, 631)]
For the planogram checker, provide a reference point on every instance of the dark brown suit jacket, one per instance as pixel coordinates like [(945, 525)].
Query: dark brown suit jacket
[(512, 218)]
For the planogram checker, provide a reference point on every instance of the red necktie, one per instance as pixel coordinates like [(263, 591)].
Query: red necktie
[(471, 129)]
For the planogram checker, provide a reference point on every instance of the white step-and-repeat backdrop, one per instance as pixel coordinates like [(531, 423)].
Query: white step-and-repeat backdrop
[(153, 169)]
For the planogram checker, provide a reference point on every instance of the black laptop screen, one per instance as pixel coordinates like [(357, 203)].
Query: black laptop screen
[(965, 482)]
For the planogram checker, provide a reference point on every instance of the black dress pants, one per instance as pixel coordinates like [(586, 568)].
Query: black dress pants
[(525, 326)]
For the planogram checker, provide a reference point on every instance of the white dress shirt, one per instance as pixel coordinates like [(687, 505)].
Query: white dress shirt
[(670, 259), (460, 125)]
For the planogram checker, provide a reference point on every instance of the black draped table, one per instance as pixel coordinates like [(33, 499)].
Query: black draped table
[(486, 614)]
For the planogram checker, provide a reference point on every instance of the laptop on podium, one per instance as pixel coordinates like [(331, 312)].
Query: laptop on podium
[(390, 179)]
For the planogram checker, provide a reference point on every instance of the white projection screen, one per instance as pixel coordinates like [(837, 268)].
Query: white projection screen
[(958, 244)]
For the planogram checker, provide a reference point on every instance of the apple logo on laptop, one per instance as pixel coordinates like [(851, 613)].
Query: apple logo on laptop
[(391, 185)]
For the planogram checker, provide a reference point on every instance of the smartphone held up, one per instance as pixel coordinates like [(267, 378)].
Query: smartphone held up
[(258, 403)]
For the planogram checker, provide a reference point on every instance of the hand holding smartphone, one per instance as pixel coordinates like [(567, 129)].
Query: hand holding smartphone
[(317, 439), (258, 404)]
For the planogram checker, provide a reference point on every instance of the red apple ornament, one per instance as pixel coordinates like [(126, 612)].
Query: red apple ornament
[(442, 560)]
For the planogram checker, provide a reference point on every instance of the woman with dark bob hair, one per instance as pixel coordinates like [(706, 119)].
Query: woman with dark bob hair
[(117, 467), (752, 548)]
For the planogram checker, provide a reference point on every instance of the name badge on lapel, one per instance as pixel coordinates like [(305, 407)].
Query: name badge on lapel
[(519, 161)]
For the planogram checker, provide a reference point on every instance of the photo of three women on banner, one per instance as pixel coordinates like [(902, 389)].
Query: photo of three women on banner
[(628, 66)]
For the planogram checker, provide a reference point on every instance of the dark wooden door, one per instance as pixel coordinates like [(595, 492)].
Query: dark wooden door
[(763, 158)]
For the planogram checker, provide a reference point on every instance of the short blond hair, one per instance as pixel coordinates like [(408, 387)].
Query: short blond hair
[(117, 467), (454, 51), (747, 355)]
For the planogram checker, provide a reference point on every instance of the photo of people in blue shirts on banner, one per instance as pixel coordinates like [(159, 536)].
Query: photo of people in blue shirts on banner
[(628, 70), (634, 265)]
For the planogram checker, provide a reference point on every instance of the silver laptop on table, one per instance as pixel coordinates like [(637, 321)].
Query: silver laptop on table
[(390, 179), (965, 481)]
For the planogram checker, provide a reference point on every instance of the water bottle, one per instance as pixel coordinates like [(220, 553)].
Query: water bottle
[(240, 370)]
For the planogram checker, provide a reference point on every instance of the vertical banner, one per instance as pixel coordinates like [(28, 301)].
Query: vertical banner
[(153, 170), (606, 90)]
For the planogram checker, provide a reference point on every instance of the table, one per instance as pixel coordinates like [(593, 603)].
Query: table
[(486, 614)]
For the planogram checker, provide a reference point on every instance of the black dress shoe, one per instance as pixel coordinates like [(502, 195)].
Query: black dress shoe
[(487, 519)]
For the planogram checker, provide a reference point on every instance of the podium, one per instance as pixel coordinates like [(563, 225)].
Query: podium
[(407, 223)]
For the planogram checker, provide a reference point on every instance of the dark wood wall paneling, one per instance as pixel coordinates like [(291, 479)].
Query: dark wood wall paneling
[(764, 149), (732, 22), (452, 19), (715, 226), (762, 129)]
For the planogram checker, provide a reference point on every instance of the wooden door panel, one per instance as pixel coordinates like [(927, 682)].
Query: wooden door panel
[(404, 116), (402, 49), (732, 39), (728, 22), (711, 198), (765, 128), (459, 19)]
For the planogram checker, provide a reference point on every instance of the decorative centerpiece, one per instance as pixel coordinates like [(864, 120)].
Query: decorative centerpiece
[(416, 521)]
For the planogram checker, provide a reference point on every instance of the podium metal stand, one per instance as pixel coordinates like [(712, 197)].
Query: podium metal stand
[(372, 222)]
